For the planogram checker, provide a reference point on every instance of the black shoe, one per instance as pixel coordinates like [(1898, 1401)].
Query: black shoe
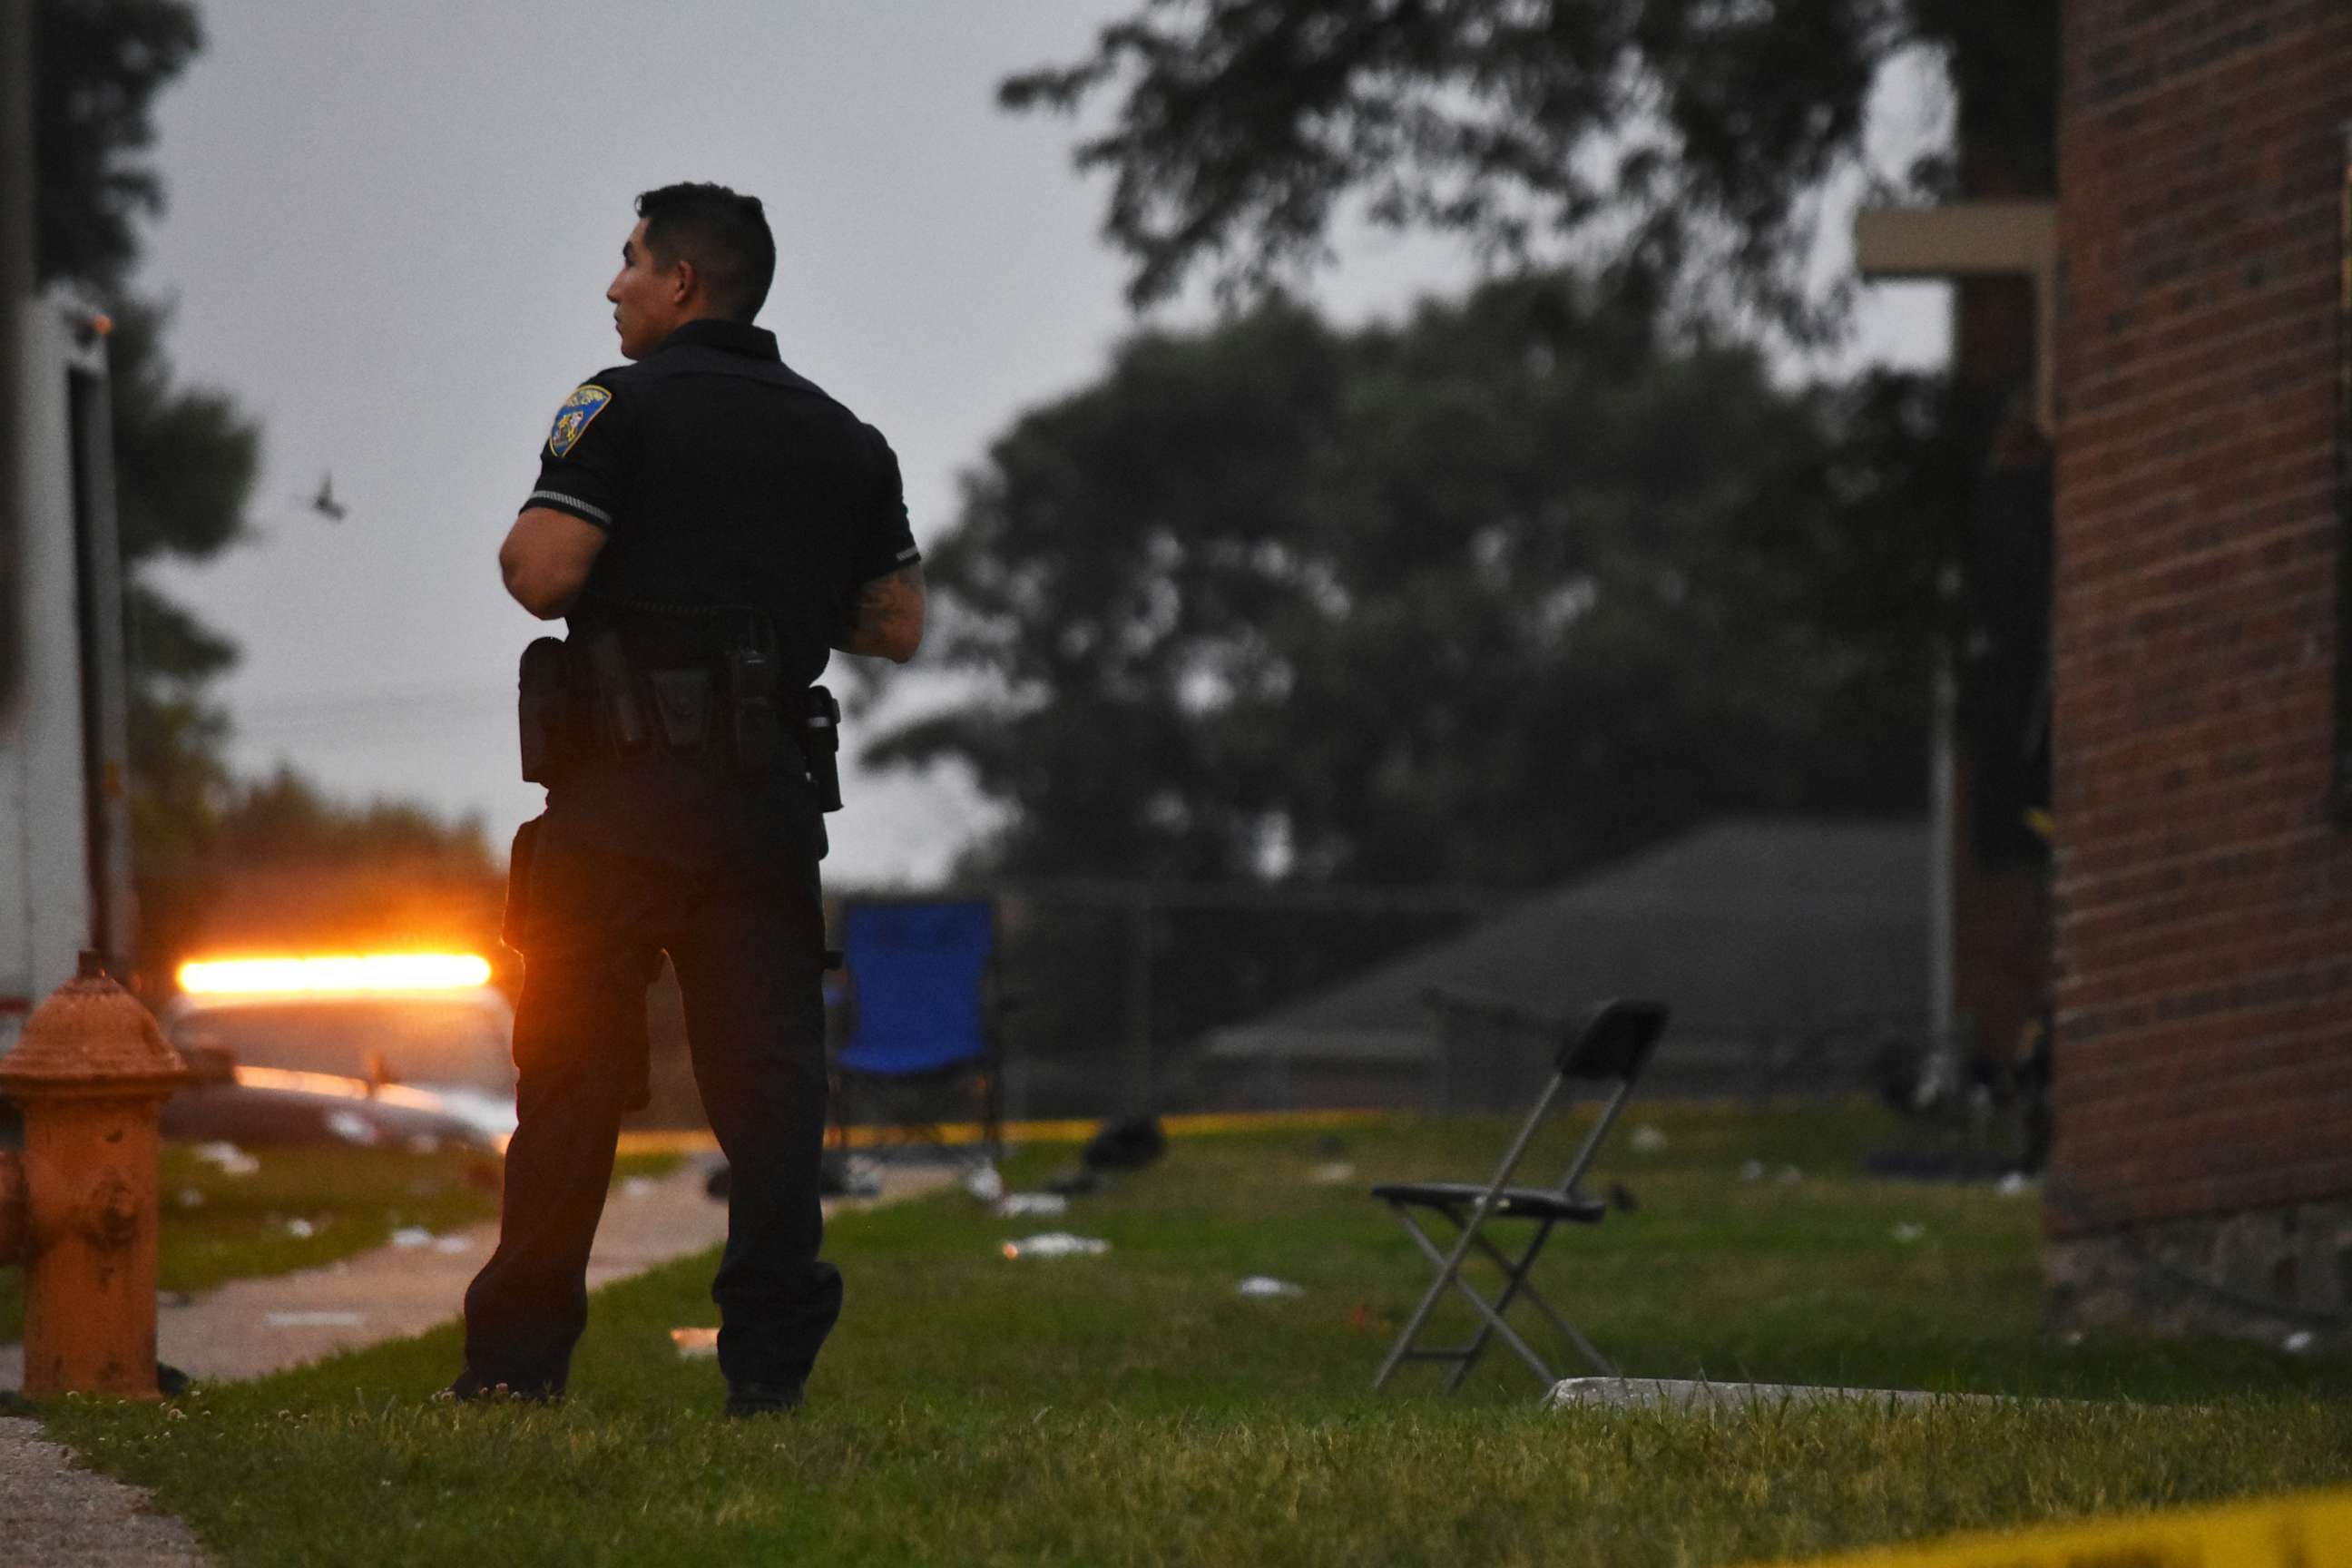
[(762, 1399), (472, 1388)]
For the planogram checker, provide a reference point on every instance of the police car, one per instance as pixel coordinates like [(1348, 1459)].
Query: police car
[(377, 1046)]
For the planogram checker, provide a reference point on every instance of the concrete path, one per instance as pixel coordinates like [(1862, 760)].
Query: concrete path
[(54, 1516)]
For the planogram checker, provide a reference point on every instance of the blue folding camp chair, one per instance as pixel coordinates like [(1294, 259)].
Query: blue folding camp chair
[(920, 1051)]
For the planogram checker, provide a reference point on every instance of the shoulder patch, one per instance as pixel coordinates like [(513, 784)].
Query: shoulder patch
[(573, 419)]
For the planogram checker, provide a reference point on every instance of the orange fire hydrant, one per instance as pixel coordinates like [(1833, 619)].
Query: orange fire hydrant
[(91, 1072)]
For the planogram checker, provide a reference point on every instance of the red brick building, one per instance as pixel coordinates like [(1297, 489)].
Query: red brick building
[(2202, 1171)]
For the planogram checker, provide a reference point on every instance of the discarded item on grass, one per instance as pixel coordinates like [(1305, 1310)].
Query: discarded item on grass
[(1128, 1145), (1908, 1231), (694, 1344), (2298, 1341), (412, 1235), (1013, 1205), (1753, 1171), (1647, 1139), (2016, 1184), (315, 1320), (300, 1229), (983, 1182), (1056, 1244), (231, 1160), (1337, 1171), (190, 1198), (352, 1128), (1789, 1175), (1264, 1285)]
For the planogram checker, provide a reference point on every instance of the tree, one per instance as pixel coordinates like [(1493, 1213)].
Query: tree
[(1480, 597), (1686, 141)]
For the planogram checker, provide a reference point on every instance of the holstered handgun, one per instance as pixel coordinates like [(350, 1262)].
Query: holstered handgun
[(545, 717), (820, 745)]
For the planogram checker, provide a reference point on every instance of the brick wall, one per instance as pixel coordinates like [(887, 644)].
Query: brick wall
[(2203, 898)]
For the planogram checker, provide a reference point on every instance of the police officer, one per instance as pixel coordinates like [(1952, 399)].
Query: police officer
[(708, 524)]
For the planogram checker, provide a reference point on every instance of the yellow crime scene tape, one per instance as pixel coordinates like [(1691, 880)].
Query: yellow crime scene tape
[(1197, 1125), (2310, 1531)]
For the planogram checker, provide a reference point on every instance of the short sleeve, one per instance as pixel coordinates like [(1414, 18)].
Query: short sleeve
[(585, 464), (886, 540)]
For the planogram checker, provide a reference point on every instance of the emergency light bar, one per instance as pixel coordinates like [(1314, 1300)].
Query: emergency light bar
[(342, 975)]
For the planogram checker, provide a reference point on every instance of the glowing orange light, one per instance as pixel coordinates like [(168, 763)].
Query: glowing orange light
[(356, 974)]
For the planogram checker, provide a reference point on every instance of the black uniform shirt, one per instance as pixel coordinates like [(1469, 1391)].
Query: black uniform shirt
[(726, 481)]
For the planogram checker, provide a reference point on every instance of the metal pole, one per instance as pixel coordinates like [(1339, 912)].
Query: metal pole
[(2342, 782), (17, 263), (1139, 1002)]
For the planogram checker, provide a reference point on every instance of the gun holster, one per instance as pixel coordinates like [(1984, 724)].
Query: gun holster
[(546, 716), (820, 746)]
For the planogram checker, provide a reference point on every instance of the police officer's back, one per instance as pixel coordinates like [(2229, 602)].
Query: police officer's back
[(709, 524)]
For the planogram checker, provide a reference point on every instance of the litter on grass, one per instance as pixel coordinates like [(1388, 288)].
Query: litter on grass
[(1789, 1175), (2016, 1184), (1909, 1231), (2298, 1341), (300, 1229), (315, 1320), (1752, 1171), (231, 1160), (1013, 1205), (1332, 1175), (695, 1344), (983, 1182), (1261, 1285), (1056, 1244), (1648, 1139)]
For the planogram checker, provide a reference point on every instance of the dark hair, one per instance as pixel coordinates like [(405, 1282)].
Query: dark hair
[(723, 234)]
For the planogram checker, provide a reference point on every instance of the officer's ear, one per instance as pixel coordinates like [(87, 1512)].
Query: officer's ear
[(682, 281)]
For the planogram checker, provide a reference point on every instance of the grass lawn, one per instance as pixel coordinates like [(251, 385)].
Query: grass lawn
[(303, 1207), (1132, 1408)]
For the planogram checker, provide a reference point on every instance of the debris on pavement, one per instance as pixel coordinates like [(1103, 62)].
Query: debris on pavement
[(694, 1344), (1056, 1244), (1266, 1285), (314, 1320)]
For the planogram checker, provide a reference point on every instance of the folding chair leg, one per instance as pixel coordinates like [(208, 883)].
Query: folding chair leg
[(1449, 1272), (1447, 1266), (1516, 1276)]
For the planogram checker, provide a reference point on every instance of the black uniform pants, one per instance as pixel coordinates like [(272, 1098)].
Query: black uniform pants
[(747, 947)]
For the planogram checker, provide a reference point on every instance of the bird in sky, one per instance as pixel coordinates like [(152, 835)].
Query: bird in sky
[(324, 503)]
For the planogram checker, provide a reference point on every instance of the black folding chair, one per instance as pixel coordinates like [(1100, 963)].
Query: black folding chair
[(1610, 1046)]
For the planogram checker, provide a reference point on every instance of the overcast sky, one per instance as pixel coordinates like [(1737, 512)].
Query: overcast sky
[(389, 235)]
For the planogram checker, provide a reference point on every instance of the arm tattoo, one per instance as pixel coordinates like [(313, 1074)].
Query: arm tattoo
[(886, 617)]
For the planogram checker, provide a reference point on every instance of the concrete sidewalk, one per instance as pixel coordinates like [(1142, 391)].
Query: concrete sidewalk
[(53, 1515)]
